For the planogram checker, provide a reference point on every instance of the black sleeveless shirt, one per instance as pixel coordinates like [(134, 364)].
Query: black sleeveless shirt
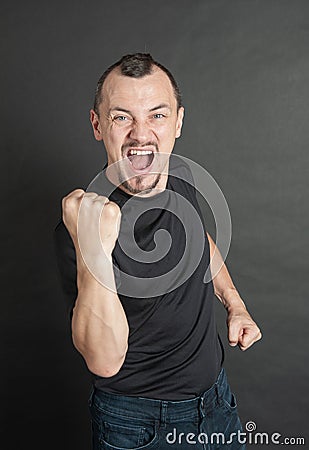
[(174, 350)]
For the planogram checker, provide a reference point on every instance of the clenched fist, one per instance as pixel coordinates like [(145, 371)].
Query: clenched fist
[(92, 221)]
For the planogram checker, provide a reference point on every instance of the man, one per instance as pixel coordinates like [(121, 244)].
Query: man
[(155, 357)]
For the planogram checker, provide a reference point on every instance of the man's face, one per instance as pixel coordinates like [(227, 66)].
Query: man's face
[(138, 122)]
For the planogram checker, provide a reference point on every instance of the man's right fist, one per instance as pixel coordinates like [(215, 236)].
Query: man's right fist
[(92, 221)]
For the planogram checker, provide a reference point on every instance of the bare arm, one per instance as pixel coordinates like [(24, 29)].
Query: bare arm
[(242, 330), (99, 325)]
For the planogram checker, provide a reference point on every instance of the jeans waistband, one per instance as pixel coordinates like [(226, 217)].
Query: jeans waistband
[(160, 410)]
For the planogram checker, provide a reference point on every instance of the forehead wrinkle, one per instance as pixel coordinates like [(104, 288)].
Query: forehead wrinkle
[(128, 111), (120, 109), (122, 90)]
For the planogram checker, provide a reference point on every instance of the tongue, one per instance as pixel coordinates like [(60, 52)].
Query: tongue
[(140, 162)]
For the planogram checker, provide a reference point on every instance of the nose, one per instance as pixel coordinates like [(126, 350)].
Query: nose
[(140, 132)]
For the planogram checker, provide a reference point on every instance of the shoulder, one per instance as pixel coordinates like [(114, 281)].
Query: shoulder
[(179, 168), (180, 177)]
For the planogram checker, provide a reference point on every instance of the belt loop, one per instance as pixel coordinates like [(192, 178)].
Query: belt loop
[(90, 399), (163, 412), (218, 393), (201, 406)]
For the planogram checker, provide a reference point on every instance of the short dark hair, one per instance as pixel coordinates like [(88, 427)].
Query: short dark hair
[(135, 65)]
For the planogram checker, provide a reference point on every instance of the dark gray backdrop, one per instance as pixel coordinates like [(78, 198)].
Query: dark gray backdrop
[(243, 68)]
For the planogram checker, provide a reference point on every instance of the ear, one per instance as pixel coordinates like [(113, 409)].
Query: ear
[(179, 122), (96, 127)]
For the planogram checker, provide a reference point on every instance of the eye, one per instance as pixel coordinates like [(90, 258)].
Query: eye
[(120, 118), (158, 116)]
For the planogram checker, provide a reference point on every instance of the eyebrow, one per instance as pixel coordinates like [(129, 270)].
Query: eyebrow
[(155, 108), (118, 108), (161, 106)]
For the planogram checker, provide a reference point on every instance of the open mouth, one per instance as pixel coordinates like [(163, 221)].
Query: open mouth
[(140, 159)]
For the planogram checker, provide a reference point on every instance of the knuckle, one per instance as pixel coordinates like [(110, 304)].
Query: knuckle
[(71, 198), (78, 192), (66, 203), (90, 196), (112, 209)]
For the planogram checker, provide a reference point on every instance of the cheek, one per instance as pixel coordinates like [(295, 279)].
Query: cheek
[(167, 135), (115, 135)]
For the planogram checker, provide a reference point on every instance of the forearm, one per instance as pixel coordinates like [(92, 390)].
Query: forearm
[(99, 325), (224, 287), (242, 330)]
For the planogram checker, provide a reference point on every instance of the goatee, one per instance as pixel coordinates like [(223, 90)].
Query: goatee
[(138, 181)]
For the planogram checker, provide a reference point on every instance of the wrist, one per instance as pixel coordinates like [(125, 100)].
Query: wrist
[(99, 275), (232, 301)]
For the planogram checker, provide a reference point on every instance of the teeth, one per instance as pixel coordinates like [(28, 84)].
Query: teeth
[(140, 152)]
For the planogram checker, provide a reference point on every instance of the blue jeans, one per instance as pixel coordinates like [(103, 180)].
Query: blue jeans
[(207, 422)]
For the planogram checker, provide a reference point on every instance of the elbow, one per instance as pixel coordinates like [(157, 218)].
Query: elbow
[(103, 371), (101, 364), (106, 370)]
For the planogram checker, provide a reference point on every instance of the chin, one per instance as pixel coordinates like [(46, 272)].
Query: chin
[(141, 184)]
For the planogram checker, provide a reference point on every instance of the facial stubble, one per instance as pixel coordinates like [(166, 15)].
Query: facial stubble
[(138, 180)]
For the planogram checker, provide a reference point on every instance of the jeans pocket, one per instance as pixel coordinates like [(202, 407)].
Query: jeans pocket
[(221, 423), (127, 436), (113, 429), (229, 401)]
